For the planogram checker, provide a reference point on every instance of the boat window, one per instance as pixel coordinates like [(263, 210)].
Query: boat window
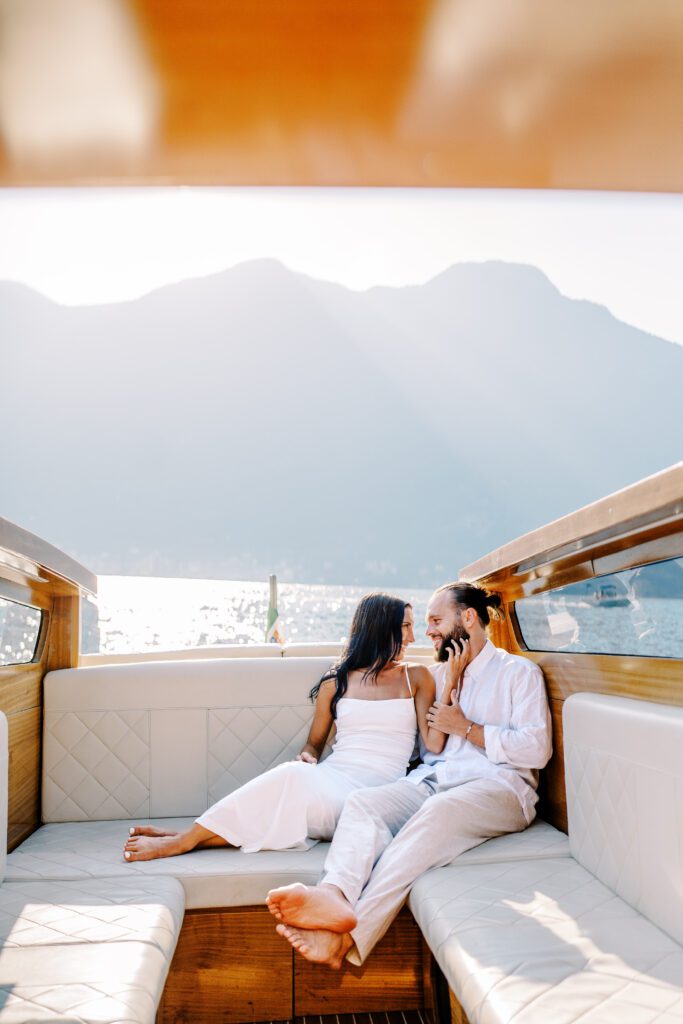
[(19, 632), (634, 612)]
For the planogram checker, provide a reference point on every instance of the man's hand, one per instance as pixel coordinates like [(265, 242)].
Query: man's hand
[(459, 657), (306, 757), (448, 718)]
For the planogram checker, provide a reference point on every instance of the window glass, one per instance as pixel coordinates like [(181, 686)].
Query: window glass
[(637, 611), (19, 632)]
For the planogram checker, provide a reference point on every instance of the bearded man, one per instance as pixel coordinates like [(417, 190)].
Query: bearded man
[(483, 784)]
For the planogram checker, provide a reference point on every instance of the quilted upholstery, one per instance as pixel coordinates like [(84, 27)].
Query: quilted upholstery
[(96, 764), (218, 878), (544, 941), (136, 909), (244, 742), (168, 739), (211, 878), (93, 983), (624, 772)]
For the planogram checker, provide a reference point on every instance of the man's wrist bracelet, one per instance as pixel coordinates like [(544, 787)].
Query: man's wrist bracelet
[(470, 727)]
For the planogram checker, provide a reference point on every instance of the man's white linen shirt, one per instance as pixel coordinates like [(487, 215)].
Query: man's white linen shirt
[(506, 694)]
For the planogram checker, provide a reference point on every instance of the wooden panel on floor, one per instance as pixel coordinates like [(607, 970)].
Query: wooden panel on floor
[(391, 978), (229, 967), (458, 1015), (24, 775)]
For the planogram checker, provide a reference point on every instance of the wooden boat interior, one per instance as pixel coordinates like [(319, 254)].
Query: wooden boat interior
[(229, 965), (448, 93), (420, 93)]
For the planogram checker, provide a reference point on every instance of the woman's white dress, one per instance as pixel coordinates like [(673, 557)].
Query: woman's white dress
[(288, 806)]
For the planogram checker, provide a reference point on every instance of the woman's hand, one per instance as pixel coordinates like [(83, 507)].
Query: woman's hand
[(458, 661), (306, 757)]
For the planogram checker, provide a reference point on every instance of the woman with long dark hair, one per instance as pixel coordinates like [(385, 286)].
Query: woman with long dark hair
[(376, 702)]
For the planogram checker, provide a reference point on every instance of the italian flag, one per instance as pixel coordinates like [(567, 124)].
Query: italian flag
[(274, 634)]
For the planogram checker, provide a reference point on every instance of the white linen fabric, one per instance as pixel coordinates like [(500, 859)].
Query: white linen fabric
[(406, 830), (296, 803), (387, 837), (506, 694)]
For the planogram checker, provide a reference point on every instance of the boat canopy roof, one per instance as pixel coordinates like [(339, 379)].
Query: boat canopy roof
[(424, 93)]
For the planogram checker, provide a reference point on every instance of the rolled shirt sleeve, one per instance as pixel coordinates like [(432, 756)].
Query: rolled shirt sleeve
[(527, 741)]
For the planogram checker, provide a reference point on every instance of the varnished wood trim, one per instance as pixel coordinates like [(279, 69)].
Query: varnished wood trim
[(41, 557), (229, 967), (390, 979), (458, 1015), (20, 687), (552, 804), (63, 645), (656, 679), (652, 500), (24, 775)]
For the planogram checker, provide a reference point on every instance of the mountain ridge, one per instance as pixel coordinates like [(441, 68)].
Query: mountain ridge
[(260, 419)]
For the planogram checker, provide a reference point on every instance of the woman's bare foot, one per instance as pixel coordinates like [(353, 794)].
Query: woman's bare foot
[(153, 847), (312, 907), (318, 946), (149, 830), (142, 847)]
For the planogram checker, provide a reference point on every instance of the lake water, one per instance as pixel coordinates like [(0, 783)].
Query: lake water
[(143, 614), (135, 614)]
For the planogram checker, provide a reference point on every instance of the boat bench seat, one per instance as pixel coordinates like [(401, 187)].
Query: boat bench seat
[(595, 938), (84, 950), (219, 877), (122, 743)]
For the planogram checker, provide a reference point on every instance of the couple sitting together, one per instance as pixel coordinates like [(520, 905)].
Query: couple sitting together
[(481, 716)]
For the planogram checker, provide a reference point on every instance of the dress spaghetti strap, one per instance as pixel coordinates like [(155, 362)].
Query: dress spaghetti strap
[(410, 689)]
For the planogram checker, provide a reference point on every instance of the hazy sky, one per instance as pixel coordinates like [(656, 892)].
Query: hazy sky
[(624, 251)]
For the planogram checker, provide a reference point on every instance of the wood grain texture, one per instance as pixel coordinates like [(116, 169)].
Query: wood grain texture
[(20, 687), (643, 506), (358, 94), (64, 637), (229, 967), (390, 979), (458, 1015), (24, 774), (552, 805)]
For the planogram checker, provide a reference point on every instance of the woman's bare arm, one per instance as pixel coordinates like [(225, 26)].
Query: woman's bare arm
[(321, 724), (422, 682)]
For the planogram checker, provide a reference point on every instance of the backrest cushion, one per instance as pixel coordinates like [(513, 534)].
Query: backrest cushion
[(624, 775), (168, 739), (4, 782)]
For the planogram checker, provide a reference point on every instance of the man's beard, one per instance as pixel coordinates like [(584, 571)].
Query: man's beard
[(457, 634)]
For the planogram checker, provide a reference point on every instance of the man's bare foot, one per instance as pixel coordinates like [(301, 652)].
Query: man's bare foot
[(318, 946), (153, 847), (311, 906), (149, 830)]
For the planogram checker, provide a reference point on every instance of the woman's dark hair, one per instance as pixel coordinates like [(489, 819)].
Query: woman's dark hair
[(469, 595), (375, 640)]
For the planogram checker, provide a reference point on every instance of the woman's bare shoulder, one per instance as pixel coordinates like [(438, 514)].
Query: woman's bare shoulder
[(419, 673)]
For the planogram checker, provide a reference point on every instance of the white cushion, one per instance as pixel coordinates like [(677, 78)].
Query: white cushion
[(92, 983), (94, 950), (138, 909), (624, 774), (168, 739), (220, 877), (211, 878), (544, 941), (537, 842)]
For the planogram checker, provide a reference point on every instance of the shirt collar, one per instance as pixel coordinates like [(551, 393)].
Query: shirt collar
[(479, 664)]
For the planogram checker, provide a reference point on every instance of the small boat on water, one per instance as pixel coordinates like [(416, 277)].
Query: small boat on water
[(606, 596)]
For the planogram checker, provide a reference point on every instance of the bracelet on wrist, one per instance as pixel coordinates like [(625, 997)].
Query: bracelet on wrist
[(470, 727)]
